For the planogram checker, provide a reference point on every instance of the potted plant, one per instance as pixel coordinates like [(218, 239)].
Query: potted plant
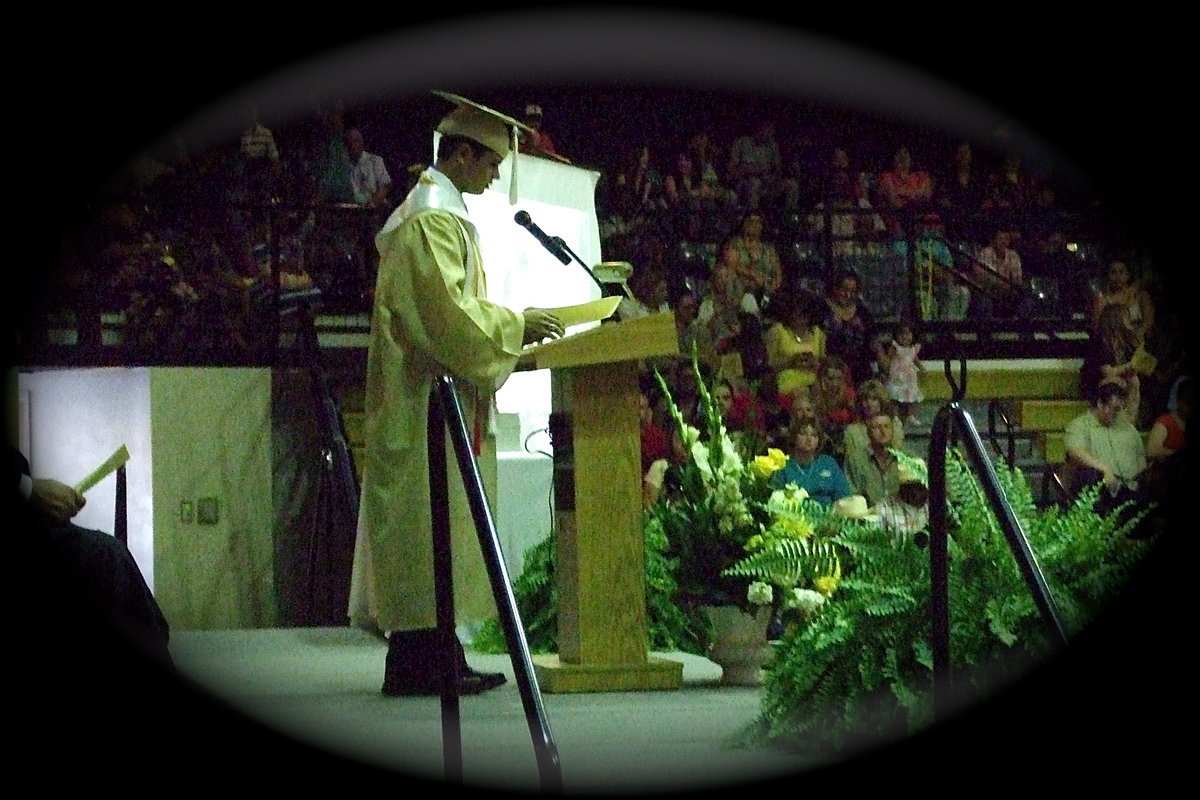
[(721, 509)]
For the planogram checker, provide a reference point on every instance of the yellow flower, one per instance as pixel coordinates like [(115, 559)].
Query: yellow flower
[(768, 465), (792, 527), (825, 585)]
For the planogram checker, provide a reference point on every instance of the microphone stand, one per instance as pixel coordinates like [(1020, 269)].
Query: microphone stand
[(566, 249), (558, 241)]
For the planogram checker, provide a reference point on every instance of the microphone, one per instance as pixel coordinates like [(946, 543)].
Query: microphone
[(552, 244)]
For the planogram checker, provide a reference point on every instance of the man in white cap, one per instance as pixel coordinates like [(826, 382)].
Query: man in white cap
[(431, 318), (536, 141)]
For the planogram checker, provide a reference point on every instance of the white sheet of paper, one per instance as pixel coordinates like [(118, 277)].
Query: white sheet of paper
[(592, 311), (104, 470)]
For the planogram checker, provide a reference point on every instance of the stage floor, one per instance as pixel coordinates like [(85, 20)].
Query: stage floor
[(320, 687)]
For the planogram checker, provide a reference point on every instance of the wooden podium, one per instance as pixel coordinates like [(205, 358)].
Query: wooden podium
[(602, 635)]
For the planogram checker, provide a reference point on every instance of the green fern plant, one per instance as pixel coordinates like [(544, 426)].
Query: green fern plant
[(859, 672), (535, 592)]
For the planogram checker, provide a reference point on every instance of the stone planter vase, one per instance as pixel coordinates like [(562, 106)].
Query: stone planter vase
[(739, 645)]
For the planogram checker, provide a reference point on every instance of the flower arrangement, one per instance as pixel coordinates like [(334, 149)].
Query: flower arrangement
[(727, 525), (857, 670)]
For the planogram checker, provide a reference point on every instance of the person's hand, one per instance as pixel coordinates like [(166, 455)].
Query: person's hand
[(541, 323), (55, 500)]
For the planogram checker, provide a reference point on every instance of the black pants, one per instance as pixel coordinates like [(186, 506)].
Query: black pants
[(98, 581), (1139, 499)]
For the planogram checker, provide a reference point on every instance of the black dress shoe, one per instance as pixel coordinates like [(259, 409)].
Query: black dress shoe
[(488, 680), (485, 680), (417, 662), (430, 684)]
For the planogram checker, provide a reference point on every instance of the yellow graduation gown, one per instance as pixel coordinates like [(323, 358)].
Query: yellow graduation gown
[(430, 317)]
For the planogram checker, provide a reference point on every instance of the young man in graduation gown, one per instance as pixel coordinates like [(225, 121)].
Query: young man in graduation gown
[(431, 317)]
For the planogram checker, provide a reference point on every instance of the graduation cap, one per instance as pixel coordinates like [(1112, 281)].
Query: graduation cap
[(488, 127)]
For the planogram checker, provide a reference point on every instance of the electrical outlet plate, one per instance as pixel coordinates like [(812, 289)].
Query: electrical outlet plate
[(207, 511)]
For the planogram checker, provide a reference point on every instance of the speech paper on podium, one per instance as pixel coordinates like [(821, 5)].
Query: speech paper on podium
[(592, 311), (111, 464)]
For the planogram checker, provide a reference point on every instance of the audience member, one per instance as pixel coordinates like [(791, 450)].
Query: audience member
[(1115, 353), (722, 394), (644, 182), (795, 343), (333, 184), (839, 178), (904, 192), (259, 161), (902, 364), (998, 272), (699, 205), (1041, 224), (661, 478), (958, 194), (875, 471), (655, 441), (1058, 282), (809, 467), (370, 181), (721, 312), (854, 228), (834, 395), (745, 352), (907, 511), (752, 261), (1168, 341), (693, 333), (941, 293), (873, 399), (1122, 287), (1171, 464), (741, 413), (256, 177), (1104, 447), (775, 409), (849, 325), (755, 171), (706, 157), (1168, 434), (537, 141), (801, 403), (91, 572), (1007, 191)]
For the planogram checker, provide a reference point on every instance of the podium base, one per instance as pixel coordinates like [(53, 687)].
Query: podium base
[(556, 677)]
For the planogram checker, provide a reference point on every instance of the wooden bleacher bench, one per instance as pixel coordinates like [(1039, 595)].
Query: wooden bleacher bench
[(988, 380), (1043, 399)]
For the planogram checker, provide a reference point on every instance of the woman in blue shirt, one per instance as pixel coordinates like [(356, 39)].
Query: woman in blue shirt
[(810, 468)]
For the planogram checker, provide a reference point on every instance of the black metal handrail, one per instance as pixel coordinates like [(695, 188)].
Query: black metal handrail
[(445, 415), (996, 411), (954, 420)]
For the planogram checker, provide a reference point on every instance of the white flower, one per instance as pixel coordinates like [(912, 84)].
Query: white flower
[(806, 600), (690, 435), (731, 459), (760, 593), (700, 459)]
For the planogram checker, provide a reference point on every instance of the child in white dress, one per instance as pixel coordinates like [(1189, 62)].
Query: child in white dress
[(903, 372)]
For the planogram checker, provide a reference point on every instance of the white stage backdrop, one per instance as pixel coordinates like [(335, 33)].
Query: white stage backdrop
[(561, 200)]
